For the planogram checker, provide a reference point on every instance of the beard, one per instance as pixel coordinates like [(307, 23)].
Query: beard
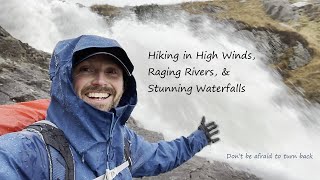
[(108, 107), (113, 99)]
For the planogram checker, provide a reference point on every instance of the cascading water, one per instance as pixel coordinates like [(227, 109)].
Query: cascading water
[(264, 119)]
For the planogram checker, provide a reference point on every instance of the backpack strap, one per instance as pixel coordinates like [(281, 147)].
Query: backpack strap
[(127, 152), (56, 145)]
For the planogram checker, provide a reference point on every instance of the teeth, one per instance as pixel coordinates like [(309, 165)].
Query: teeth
[(98, 95)]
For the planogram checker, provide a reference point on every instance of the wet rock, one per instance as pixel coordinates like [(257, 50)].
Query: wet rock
[(10, 47), (4, 98), (166, 14), (275, 44), (280, 10), (269, 43), (80, 5), (203, 8), (301, 5), (313, 12), (155, 12), (148, 11), (310, 9), (108, 11), (212, 9), (23, 98), (301, 57), (3, 33), (23, 71)]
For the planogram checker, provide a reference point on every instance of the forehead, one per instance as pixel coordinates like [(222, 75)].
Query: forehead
[(101, 59)]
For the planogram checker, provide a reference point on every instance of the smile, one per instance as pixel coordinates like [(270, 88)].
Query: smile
[(99, 96)]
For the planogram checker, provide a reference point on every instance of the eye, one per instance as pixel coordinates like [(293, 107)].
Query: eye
[(86, 69), (112, 71)]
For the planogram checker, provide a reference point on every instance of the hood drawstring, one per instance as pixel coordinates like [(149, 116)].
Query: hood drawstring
[(82, 158)]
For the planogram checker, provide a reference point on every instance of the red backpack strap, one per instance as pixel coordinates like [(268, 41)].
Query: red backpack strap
[(15, 117)]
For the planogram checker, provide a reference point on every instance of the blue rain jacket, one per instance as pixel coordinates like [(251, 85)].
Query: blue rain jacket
[(96, 137)]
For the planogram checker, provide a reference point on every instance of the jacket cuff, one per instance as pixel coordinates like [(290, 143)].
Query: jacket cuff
[(199, 139)]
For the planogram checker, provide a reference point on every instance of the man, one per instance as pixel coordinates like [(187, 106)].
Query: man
[(93, 93)]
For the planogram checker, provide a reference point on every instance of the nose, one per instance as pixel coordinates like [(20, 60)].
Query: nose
[(100, 79)]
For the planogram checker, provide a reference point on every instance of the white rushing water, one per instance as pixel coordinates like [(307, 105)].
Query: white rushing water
[(265, 118)]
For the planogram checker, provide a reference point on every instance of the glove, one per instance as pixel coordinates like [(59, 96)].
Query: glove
[(210, 129)]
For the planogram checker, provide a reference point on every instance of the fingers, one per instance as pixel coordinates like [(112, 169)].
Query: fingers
[(214, 133), (203, 120), (210, 130), (210, 126), (215, 140)]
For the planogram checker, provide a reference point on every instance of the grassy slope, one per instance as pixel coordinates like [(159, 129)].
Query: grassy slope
[(251, 12)]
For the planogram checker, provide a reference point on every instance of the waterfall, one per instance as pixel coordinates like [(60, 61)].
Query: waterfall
[(265, 119)]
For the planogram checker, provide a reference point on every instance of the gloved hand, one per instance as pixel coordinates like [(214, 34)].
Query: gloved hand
[(210, 129)]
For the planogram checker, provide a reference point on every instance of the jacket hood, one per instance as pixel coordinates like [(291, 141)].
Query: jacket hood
[(87, 128)]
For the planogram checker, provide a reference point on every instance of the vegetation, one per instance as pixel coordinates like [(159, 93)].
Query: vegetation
[(306, 28)]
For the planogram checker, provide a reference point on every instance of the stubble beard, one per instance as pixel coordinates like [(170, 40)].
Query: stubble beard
[(109, 106), (104, 107)]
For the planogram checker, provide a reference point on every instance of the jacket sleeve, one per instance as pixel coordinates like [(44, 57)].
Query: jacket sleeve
[(150, 159), (21, 159)]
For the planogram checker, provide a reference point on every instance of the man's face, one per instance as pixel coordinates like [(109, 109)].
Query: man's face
[(99, 82)]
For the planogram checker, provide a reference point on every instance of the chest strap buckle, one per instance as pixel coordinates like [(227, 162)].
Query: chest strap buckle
[(110, 174)]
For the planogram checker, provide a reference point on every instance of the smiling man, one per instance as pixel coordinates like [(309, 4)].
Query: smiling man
[(93, 93), (99, 81)]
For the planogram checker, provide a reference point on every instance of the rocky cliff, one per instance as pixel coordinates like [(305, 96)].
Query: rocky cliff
[(23, 71)]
